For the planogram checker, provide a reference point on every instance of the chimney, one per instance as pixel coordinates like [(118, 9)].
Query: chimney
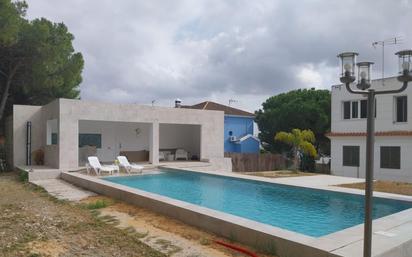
[(178, 103)]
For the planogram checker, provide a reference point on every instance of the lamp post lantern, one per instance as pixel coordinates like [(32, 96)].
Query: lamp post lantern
[(348, 60), (405, 65), (364, 75)]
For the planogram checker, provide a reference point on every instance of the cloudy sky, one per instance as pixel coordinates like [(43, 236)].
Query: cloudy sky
[(137, 51)]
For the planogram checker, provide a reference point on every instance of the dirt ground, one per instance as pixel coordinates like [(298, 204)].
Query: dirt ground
[(278, 174), (35, 224), (170, 236), (385, 186)]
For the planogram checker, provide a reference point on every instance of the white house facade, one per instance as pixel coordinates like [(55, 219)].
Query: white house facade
[(393, 133), (68, 131)]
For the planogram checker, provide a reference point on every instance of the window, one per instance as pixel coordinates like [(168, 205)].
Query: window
[(391, 157), (401, 108), (356, 109), (350, 156), (346, 110), (364, 108), (91, 140), (54, 138), (52, 132)]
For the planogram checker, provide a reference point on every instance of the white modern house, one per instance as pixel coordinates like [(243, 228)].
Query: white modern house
[(393, 126), (68, 131)]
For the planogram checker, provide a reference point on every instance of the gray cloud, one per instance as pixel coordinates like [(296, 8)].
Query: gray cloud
[(136, 51)]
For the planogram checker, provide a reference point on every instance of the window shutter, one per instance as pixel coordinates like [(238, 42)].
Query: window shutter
[(391, 157), (346, 110), (364, 108), (355, 109), (350, 156)]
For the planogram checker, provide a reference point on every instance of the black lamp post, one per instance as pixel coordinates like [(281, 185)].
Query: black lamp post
[(348, 61)]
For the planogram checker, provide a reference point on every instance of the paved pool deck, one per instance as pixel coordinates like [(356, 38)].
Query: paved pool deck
[(391, 238), (42, 172), (63, 190)]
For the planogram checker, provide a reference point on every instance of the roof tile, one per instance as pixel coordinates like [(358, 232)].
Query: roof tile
[(363, 134), (212, 106)]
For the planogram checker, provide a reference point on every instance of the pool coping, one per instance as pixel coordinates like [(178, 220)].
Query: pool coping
[(285, 241)]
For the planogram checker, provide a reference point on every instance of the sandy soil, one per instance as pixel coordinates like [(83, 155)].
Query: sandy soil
[(385, 186), (165, 234), (34, 224)]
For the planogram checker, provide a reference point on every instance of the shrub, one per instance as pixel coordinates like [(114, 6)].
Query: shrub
[(23, 176), (98, 204)]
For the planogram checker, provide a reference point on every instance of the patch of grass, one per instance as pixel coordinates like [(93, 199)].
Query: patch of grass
[(141, 235), (204, 241), (167, 245), (99, 204), (108, 219), (23, 176)]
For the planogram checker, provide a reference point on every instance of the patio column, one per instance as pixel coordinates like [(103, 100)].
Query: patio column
[(154, 143), (68, 142)]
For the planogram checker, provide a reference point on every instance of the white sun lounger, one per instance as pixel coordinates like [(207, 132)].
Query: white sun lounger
[(94, 164), (123, 162)]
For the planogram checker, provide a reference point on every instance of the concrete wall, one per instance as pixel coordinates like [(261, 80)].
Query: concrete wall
[(21, 115), (38, 115), (51, 155), (183, 136), (73, 111), (403, 174), (74, 116)]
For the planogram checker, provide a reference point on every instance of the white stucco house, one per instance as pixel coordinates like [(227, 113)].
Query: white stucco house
[(70, 130), (393, 126)]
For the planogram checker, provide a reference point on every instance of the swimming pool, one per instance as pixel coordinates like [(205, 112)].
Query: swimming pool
[(307, 211)]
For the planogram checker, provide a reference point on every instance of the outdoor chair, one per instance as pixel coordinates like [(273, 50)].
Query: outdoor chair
[(124, 163), (94, 164), (181, 154), (162, 156)]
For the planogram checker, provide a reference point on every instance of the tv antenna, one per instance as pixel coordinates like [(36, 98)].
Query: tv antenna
[(153, 103), (383, 43), (232, 101)]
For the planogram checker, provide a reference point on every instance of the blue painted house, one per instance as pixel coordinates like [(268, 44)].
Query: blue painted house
[(239, 135)]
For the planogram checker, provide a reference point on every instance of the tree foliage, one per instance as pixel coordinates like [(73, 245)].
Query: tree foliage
[(300, 141), (301, 109), (37, 59), (10, 21)]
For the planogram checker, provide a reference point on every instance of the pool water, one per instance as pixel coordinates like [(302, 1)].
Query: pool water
[(308, 211)]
